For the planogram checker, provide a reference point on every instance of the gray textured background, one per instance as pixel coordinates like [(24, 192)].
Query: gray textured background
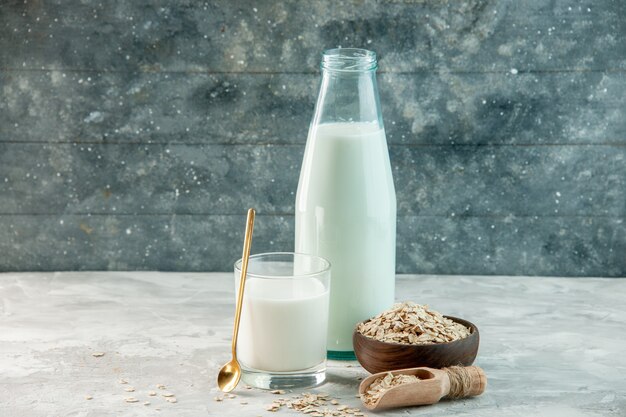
[(135, 134)]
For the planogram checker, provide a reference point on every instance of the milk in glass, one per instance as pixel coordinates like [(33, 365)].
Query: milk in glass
[(283, 324)]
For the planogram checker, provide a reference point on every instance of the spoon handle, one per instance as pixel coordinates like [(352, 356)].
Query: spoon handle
[(242, 279), (465, 381)]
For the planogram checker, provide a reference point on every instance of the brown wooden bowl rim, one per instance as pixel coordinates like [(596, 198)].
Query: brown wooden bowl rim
[(472, 327)]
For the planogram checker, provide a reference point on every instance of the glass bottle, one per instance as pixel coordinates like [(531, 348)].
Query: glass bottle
[(346, 201)]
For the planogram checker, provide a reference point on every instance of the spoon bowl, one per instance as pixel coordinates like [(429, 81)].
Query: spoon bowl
[(229, 376)]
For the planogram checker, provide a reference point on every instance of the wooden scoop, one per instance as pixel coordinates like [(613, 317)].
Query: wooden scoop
[(433, 385)]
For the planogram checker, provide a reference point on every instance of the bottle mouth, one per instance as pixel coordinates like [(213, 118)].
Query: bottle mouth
[(349, 60)]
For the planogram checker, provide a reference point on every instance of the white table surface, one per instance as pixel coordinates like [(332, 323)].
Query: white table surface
[(549, 346)]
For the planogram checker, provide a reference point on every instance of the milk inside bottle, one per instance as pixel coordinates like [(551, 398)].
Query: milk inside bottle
[(346, 204)]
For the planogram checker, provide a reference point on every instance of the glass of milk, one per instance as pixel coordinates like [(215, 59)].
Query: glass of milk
[(284, 320)]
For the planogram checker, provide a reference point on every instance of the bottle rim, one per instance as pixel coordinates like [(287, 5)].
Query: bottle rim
[(349, 60)]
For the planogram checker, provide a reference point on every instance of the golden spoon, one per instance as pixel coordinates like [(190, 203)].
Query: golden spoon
[(230, 374)]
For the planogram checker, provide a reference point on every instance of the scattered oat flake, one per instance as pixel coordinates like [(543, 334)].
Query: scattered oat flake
[(97, 354), (231, 396), (146, 403), (218, 399), (123, 381), (172, 400), (131, 400), (88, 397), (278, 391), (160, 386), (168, 394), (129, 389), (314, 405), (244, 403), (152, 393)]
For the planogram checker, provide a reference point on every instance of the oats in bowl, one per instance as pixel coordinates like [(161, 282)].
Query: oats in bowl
[(412, 324)]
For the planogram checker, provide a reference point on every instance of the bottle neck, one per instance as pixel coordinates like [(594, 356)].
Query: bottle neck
[(348, 96), (348, 92)]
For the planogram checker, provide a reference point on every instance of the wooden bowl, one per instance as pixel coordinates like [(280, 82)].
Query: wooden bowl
[(377, 356)]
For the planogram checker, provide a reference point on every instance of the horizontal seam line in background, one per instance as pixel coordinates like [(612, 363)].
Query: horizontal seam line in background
[(243, 214), (310, 72), (122, 143)]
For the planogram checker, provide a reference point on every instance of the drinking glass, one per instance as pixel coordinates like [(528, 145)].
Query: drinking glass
[(284, 320)]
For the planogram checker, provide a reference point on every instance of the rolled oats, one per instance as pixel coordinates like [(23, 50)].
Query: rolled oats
[(412, 324), (382, 384), (315, 405)]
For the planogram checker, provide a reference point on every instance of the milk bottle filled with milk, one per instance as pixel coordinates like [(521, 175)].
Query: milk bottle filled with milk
[(346, 202)]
